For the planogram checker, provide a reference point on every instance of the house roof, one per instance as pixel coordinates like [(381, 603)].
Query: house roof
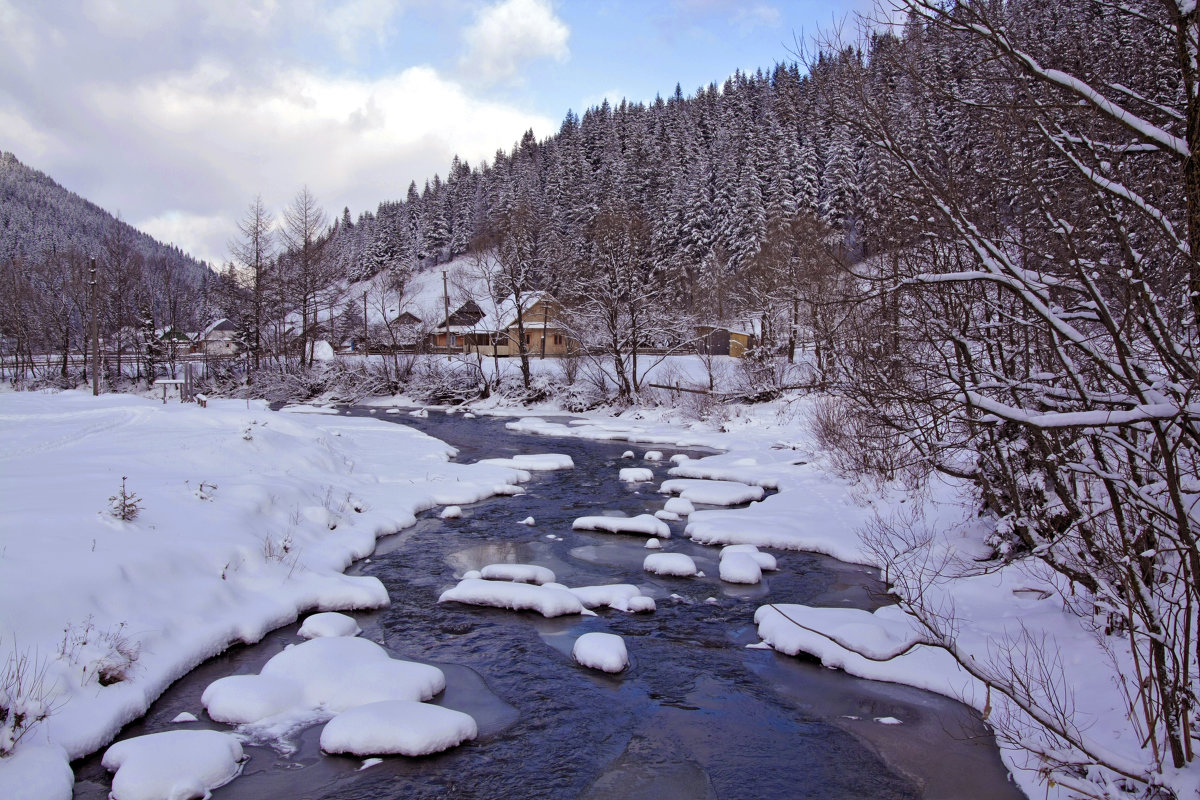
[(497, 317), (223, 325)]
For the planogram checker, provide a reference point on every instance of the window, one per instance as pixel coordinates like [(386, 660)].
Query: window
[(529, 338), (558, 339)]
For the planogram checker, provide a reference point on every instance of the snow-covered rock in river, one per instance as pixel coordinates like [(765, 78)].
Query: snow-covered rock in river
[(653, 544), (653, 455), (666, 516), (397, 727), (675, 564), (332, 674), (517, 573), (627, 454), (172, 765), (713, 493), (740, 568), (618, 596), (549, 601), (530, 521), (646, 524), (451, 512), (636, 474), (538, 462), (329, 623), (603, 651), (766, 561), (677, 505)]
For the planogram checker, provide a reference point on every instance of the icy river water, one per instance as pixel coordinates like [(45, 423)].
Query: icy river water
[(697, 714)]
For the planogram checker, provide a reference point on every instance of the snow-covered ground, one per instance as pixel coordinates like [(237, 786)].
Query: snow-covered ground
[(248, 517), (244, 518)]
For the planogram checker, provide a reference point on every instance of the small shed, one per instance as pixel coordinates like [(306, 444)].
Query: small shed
[(720, 340)]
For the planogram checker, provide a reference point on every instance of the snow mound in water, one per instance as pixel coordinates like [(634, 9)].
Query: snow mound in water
[(539, 462), (642, 523), (765, 561), (740, 568), (517, 573), (451, 512), (330, 674), (679, 458), (636, 474), (653, 544), (677, 505), (675, 564), (712, 493), (617, 596), (549, 601), (329, 623), (653, 455), (627, 454), (530, 521), (397, 727), (171, 765), (666, 516), (602, 651)]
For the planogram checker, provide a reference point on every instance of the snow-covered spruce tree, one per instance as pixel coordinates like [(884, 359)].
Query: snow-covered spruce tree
[(1036, 326)]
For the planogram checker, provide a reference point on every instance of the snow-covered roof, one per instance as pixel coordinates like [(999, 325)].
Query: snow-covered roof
[(499, 317)]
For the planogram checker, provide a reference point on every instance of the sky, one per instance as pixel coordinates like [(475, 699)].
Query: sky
[(177, 113)]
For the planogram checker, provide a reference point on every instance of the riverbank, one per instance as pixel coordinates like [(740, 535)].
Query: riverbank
[(240, 519)]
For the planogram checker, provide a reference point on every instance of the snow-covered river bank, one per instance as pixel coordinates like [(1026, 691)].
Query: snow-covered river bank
[(248, 517), (697, 714)]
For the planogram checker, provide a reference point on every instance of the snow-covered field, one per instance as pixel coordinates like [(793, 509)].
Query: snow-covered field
[(247, 517)]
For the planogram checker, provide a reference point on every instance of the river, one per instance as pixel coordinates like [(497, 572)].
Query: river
[(697, 714)]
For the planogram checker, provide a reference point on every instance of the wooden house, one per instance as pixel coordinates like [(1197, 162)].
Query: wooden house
[(719, 340)]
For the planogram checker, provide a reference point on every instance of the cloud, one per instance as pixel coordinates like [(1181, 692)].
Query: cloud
[(227, 99), (508, 35), (352, 141)]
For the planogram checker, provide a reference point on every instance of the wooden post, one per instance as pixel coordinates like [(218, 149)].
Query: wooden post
[(446, 302), (95, 332), (365, 319)]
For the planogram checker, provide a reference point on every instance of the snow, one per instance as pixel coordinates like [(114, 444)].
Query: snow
[(173, 765), (677, 505), (540, 462), (397, 727), (653, 455), (322, 351), (184, 716), (740, 568), (627, 454), (603, 651), (646, 524), (766, 561), (37, 772), (451, 512), (712, 492), (653, 544), (679, 458), (317, 678), (549, 601), (675, 564), (617, 596), (329, 623), (666, 516), (517, 573), (636, 474), (530, 521)]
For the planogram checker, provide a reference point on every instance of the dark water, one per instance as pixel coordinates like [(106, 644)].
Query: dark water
[(696, 715)]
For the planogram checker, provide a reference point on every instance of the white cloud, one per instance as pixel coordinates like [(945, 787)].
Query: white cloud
[(509, 34), (352, 141)]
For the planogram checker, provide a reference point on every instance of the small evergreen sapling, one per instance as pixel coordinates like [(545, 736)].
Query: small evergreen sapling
[(125, 504)]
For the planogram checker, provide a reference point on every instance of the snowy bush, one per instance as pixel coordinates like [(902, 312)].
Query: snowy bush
[(103, 655), (24, 698)]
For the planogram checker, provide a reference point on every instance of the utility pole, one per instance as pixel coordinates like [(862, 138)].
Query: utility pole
[(95, 332), (365, 347)]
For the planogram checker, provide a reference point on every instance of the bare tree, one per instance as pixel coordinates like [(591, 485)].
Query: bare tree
[(252, 254)]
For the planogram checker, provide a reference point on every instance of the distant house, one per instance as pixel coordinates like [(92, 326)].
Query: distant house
[(218, 339), (719, 340), (495, 333)]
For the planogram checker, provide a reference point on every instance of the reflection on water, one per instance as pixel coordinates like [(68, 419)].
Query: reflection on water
[(697, 715)]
